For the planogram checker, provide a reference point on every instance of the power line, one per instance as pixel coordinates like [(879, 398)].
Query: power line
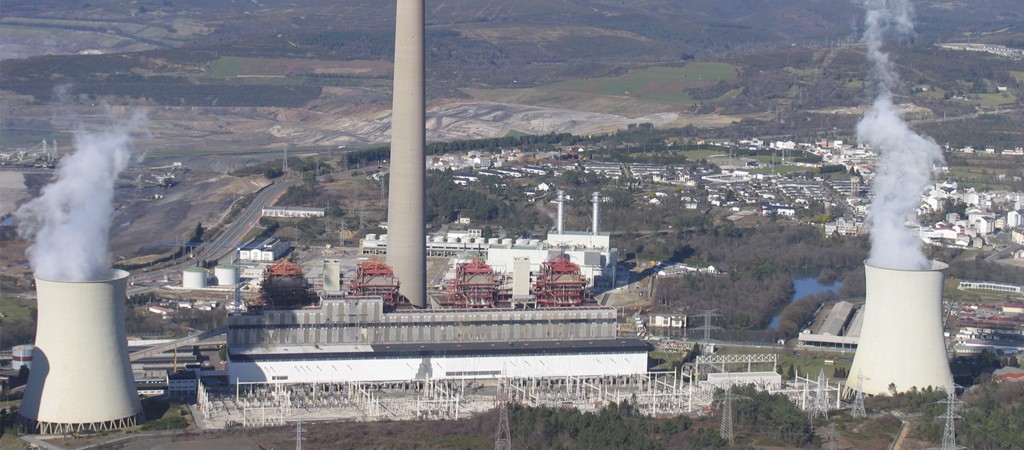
[(708, 315), (858, 400), (503, 435), (725, 430), (949, 432)]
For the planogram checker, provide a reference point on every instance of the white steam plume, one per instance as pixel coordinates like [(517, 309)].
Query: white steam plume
[(69, 223), (906, 158)]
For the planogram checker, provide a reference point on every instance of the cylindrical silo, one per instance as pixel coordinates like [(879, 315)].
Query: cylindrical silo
[(193, 278), (227, 274), (21, 356), (332, 275), (81, 378), (901, 339)]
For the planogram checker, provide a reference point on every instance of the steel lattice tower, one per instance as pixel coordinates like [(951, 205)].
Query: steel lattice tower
[(503, 438), (858, 400), (298, 435), (707, 327), (949, 432), (725, 430), (820, 406)]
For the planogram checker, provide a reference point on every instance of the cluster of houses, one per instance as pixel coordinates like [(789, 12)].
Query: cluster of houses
[(739, 183)]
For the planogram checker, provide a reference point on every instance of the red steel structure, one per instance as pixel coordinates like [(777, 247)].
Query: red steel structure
[(284, 287), (560, 284), (475, 286), (374, 278)]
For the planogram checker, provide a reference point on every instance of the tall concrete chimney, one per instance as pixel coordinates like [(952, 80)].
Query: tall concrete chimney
[(901, 340), (406, 234), (561, 211), (597, 211)]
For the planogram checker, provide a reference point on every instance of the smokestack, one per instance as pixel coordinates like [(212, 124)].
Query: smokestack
[(81, 377), (597, 211), (561, 211), (406, 235), (901, 340)]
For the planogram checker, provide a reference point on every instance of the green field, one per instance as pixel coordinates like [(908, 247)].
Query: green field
[(661, 84), (992, 100), (17, 309)]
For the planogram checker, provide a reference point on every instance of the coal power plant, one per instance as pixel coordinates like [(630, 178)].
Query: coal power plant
[(901, 342), (81, 379)]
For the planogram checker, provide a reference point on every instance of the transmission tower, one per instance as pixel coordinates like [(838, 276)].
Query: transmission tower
[(298, 435), (819, 408), (725, 431), (949, 432), (708, 315), (858, 400), (503, 435)]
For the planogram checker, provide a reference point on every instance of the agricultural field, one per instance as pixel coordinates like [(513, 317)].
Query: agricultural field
[(658, 84)]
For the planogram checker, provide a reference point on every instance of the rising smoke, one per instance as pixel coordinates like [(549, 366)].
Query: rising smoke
[(69, 223), (906, 158)]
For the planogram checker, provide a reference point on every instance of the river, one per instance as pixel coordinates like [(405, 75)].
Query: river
[(803, 287)]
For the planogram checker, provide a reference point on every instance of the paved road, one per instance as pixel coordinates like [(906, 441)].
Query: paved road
[(232, 236)]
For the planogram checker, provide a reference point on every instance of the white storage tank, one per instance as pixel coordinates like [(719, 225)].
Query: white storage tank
[(438, 239), (370, 237), (227, 274), (506, 241), (21, 356), (493, 241), (521, 242), (193, 278), (534, 242)]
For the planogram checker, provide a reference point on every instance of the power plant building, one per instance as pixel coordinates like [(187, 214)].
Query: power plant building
[(353, 339)]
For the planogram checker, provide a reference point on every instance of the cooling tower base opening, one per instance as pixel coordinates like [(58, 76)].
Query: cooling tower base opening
[(30, 426)]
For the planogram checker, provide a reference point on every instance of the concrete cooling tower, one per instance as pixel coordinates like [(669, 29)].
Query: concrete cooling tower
[(901, 340), (81, 378)]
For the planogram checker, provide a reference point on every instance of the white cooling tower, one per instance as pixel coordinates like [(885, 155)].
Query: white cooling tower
[(81, 378), (901, 340)]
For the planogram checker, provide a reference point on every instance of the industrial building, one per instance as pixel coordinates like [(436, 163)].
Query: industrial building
[(354, 339), (293, 212), (840, 328), (270, 249), (590, 250)]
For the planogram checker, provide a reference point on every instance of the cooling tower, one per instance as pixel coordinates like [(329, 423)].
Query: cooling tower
[(901, 340), (406, 252), (81, 378)]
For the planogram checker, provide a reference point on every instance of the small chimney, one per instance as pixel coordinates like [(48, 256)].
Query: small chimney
[(561, 211), (597, 212)]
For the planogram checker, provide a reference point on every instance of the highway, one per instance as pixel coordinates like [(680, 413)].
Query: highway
[(232, 236)]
